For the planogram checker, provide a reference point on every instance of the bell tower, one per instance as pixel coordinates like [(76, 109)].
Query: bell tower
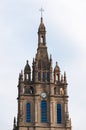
[(41, 34), (42, 64), (42, 92)]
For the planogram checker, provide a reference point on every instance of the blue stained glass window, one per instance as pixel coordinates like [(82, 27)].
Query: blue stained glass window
[(48, 76), (43, 76), (59, 117), (28, 112), (43, 111), (39, 76)]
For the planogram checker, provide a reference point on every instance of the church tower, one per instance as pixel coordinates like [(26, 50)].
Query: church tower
[(42, 92)]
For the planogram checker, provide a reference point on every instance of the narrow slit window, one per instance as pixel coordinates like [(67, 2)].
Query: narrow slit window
[(59, 117), (42, 39), (48, 76), (43, 76), (39, 76), (28, 112), (27, 76)]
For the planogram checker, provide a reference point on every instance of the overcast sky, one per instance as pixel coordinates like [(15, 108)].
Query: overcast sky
[(65, 22)]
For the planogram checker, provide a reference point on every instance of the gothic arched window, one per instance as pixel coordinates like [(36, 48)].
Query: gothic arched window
[(39, 76), (28, 112), (31, 90), (43, 111), (59, 117), (43, 76), (48, 76)]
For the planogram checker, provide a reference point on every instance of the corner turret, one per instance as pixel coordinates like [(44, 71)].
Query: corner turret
[(27, 73)]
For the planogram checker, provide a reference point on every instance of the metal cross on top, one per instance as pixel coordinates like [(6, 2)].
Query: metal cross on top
[(41, 10)]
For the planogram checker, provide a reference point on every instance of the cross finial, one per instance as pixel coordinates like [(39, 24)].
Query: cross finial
[(41, 10)]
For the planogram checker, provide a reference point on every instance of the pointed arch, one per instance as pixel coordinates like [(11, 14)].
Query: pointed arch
[(39, 76), (55, 90), (43, 76), (31, 90), (43, 111), (42, 39), (28, 112), (59, 116), (48, 76)]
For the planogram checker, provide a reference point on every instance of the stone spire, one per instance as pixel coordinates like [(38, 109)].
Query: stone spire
[(41, 34), (42, 64)]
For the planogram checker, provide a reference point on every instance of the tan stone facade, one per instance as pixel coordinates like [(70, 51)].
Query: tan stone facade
[(42, 84)]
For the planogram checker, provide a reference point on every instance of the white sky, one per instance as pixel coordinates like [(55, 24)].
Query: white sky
[(65, 22)]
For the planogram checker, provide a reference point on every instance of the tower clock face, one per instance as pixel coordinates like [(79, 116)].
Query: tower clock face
[(43, 95)]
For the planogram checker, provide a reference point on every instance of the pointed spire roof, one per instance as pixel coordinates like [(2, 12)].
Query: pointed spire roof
[(56, 69), (27, 68), (42, 55), (41, 26)]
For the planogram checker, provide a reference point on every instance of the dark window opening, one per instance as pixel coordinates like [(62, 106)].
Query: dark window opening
[(31, 90), (28, 112), (59, 117), (39, 76), (48, 76), (43, 76)]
